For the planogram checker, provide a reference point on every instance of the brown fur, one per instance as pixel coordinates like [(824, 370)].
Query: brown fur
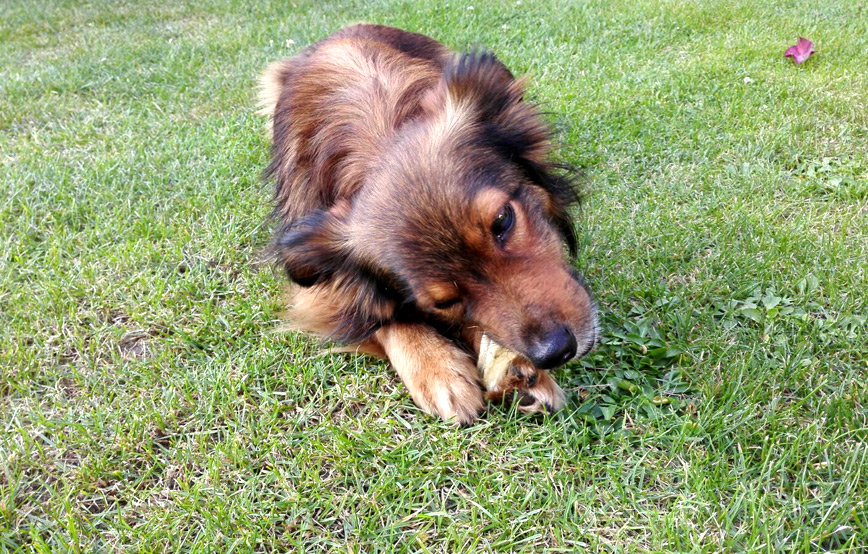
[(393, 157)]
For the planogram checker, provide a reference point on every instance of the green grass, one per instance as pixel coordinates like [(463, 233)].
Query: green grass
[(147, 405)]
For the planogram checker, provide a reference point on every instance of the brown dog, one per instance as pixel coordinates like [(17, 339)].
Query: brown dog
[(418, 209)]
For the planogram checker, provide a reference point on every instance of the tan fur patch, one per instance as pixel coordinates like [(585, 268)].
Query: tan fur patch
[(270, 87)]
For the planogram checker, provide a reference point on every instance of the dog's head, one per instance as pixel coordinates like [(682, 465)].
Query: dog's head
[(462, 219)]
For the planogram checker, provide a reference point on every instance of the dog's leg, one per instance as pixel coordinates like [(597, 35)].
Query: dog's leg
[(539, 392), (441, 378), (534, 389)]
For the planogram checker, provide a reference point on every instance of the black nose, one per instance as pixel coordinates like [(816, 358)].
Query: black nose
[(553, 349)]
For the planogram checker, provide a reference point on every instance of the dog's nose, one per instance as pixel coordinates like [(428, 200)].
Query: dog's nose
[(553, 349)]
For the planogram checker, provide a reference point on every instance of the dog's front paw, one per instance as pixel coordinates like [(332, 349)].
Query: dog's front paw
[(441, 378), (544, 396), (448, 388), (533, 389)]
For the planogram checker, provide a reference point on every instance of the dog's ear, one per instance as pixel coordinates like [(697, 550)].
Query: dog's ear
[(311, 248), (316, 250), (480, 83), (480, 79), (559, 182)]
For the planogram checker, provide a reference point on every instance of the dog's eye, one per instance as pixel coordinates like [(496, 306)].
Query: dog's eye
[(503, 222), (446, 304)]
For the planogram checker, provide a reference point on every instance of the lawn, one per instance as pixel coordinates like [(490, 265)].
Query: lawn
[(147, 403)]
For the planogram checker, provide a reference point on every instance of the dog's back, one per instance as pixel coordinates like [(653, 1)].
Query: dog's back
[(334, 105)]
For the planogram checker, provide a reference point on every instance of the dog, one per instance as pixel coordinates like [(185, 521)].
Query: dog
[(417, 209)]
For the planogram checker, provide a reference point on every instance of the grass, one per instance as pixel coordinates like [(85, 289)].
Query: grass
[(146, 405)]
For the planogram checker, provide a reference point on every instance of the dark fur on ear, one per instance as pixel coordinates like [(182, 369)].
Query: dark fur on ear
[(479, 77), (515, 129), (559, 181), (372, 305), (312, 251), (309, 248)]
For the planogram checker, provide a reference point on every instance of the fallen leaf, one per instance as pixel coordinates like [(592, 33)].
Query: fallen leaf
[(801, 51)]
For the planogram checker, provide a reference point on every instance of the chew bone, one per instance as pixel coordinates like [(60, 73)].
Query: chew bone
[(494, 363), (509, 376)]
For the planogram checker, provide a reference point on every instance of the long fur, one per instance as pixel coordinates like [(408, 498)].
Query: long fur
[(392, 157)]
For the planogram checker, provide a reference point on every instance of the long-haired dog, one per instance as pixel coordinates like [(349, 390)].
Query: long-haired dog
[(418, 209)]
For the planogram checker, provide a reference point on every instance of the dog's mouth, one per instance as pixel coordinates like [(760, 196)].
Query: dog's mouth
[(593, 339), (552, 356), (592, 335)]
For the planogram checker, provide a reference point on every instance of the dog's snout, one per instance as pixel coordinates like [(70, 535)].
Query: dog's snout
[(554, 348)]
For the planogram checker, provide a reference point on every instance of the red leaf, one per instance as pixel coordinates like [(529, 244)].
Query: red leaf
[(801, 51)]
